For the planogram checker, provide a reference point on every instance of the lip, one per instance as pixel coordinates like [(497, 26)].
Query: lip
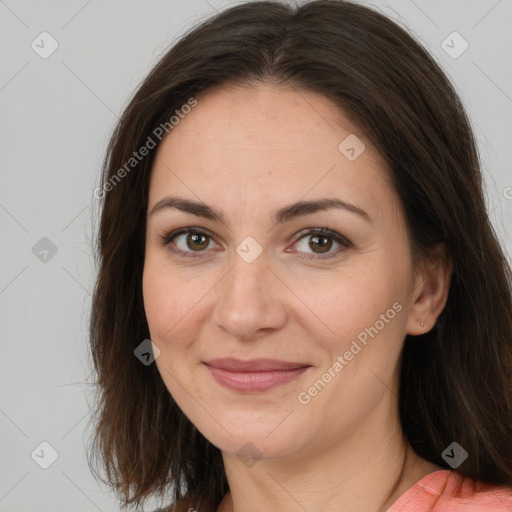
[(255, 375)]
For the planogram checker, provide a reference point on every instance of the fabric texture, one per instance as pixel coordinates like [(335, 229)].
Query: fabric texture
[(447, 491)]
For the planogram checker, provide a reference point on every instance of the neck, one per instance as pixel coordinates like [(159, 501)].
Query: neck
[(367, 471)]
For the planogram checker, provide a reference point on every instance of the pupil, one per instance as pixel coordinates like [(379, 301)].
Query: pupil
[(321, 241), (195, 238), (324, 246)]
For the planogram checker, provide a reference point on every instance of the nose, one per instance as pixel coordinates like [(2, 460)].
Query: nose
[(250, 302)]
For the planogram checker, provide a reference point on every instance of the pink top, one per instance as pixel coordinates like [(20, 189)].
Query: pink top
[(447, 491)]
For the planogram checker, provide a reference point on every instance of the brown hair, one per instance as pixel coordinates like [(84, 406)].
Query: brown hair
[(455, 380)]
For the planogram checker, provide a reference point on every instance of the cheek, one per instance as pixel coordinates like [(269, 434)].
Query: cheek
[(157, 302), (342, 305), (360, 315), (171, 310), (366, 320), (167, 303)]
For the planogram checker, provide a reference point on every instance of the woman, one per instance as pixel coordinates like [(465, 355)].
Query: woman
[(294, 217)]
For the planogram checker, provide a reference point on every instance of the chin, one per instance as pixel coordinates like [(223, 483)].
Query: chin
[(252, 436)]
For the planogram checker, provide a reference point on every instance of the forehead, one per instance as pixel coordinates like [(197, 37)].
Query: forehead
[(266, 142)]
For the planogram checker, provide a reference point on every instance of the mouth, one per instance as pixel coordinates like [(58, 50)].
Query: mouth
[(256, 375)]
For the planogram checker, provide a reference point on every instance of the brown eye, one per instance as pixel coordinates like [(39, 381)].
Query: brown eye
[(322, 242), (197, 241), (185, 242)]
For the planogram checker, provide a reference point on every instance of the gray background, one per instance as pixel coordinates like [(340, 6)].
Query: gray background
[(57, 115)]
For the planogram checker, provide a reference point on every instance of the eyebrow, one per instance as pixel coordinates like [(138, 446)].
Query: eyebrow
[(282, 215)]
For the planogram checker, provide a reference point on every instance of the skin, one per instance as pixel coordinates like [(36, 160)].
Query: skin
[(248, 151)]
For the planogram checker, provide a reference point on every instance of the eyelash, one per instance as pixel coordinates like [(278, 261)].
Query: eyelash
[(344, 242)]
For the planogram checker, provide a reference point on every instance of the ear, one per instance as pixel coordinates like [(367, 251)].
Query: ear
[(430, 291)]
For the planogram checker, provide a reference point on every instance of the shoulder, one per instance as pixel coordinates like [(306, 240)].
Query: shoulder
[(448, 490), (480, 495)]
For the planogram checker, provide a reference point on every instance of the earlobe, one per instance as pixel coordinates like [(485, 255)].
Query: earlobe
[(430, 293)]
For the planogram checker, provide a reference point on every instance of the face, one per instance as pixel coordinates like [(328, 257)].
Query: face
[(279, 326)]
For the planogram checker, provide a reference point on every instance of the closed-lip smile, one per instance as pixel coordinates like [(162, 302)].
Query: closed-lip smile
[(255, 375)]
